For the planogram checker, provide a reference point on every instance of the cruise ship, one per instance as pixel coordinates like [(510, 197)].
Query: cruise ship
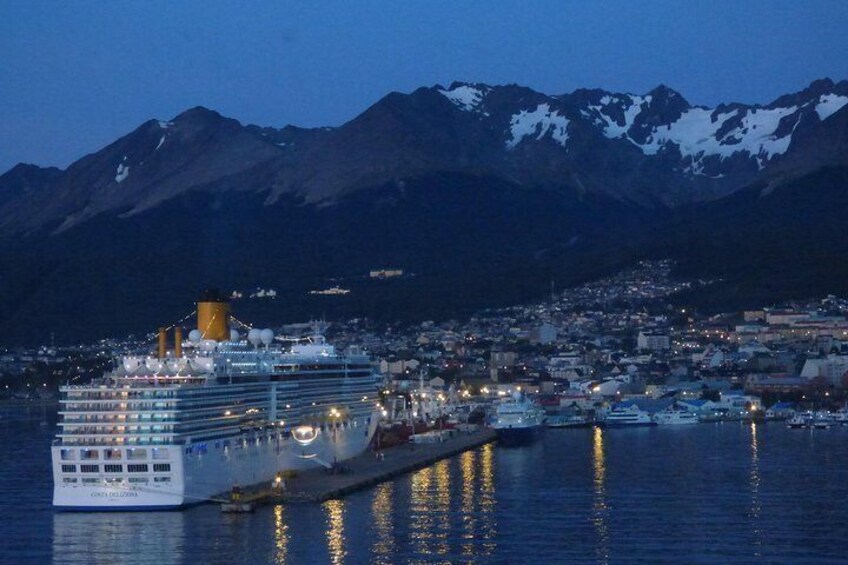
[(518, 421), (186, 425)]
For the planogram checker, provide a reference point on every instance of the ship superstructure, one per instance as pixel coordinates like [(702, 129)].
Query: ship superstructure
[(184, 426)]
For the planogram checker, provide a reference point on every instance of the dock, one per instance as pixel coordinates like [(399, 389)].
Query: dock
[(361, 472)]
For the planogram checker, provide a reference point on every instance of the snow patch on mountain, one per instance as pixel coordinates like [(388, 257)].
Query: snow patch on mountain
[(538, 123), (165, 125), (465, 97), (632, 108), (696, 131), (122, 173), (161, 141), (696, 134), (829, 104)]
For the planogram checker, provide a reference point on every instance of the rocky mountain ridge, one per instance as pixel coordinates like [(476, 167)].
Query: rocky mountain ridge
[(652, 150)]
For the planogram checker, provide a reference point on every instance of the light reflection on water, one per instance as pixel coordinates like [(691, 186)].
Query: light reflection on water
[(335, 530), (382, 549), (708, 493), (421, 526), (104, 539), (488, 518), (441, 506), (756, 509), (281, 535), (468, 467), (599, 504)]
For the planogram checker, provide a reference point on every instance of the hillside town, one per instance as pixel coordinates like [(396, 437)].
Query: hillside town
[(618, 340)]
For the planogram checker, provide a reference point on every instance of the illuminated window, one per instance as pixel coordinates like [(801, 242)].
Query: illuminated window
[(136, 454)]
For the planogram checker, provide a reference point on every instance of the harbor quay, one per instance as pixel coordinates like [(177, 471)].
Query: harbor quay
[(366, 470)]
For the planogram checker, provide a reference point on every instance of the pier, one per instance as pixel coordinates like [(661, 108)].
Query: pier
[(361, 472)]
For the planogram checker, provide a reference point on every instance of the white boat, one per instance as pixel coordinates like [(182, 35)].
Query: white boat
[(675, 418), (800, 420), (822, 420), (518, 421), (627, 416), (170, 430), (841, 416), (568, 421)]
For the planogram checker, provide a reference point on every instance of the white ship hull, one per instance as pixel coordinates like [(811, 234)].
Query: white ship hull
[(201, 472), (666, 419)]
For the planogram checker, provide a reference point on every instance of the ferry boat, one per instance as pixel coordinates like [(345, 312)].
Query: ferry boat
[(627, 417), (568, 421), (676, 418), (518, 421), (166, 431)]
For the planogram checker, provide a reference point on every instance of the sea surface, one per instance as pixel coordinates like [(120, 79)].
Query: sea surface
[(711, 493)]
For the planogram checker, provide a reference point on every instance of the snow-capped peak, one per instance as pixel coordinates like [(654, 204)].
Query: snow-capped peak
[(465, 97)]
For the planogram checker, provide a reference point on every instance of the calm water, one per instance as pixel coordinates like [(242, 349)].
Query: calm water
[(713, 493)]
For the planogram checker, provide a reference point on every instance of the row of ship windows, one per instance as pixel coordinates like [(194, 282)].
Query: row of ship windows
[(112, 481), (207, 398), (119, 394), (114, 454), (307, 402), (203, 392), (323, 367), (110, 417), (82, 427), (112, 468), (110, 439), (240, 443), (152, 393), (139, 405)]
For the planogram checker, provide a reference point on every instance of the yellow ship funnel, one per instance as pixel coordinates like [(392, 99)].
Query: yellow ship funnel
[(178, 342), (163, 342), (213, 314)]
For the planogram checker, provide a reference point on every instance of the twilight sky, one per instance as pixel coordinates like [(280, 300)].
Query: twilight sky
[(75, 76)]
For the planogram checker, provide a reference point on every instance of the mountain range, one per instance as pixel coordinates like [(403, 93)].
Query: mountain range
[(484, 193)]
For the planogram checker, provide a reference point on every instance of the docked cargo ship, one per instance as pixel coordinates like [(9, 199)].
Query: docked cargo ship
[(217, 411)]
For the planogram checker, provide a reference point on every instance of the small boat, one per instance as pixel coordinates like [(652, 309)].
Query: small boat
[(841, 416), (717, 415), (675, 418), (822, 420), (799, 420)]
